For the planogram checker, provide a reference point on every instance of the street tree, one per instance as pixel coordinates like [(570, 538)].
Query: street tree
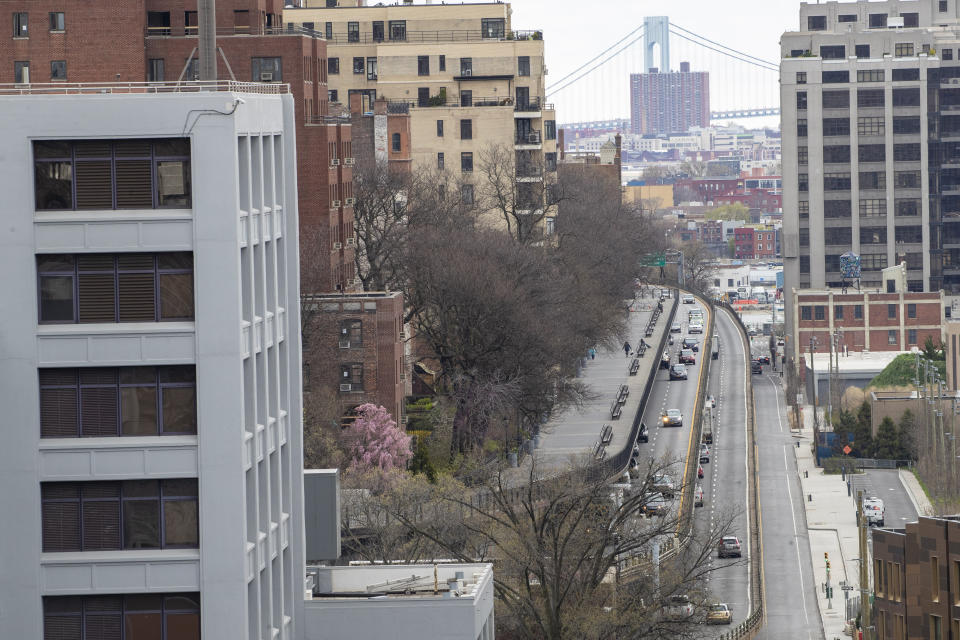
[(374, 441)]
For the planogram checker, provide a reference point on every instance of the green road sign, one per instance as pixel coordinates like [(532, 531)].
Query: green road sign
[(654, 260)]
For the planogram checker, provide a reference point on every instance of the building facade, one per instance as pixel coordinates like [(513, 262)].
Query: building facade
[(743, 243), (152, 364), (669, 101), (466, 78)]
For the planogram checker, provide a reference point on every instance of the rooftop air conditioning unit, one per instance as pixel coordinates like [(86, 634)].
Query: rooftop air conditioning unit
[(335, 204), (348, 162), (346, 387), (334, 162), (344, 344), (266, 76)]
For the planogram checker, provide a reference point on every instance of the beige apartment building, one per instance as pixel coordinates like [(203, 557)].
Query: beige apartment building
[(467, 79)]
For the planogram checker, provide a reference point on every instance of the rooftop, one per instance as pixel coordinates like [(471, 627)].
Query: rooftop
[(384, 582), (93, 88)]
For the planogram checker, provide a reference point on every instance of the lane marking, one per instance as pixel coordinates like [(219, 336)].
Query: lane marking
[(796, 533)]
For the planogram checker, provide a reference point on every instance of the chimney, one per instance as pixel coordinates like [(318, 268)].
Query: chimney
[(684, 67), (207, 28)]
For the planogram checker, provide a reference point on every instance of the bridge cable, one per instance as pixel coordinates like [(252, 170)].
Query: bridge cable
[(594, 68), (746, 55), (730, 55), (595, 57)]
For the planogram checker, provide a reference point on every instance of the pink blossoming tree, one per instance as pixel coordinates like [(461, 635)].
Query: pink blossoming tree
[(376, 442)]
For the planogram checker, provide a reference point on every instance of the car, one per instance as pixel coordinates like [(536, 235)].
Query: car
[(665, 360), (690, 343), (672, 418), (719, 614), (698, 496), (695, 327), (873, 510), (688, 300), (729, 547), (678, 608), (752, 333), (644, 434), (704, 453), (756, 367), (715, 354), (763, 359), (687, 357), (675, 328), (655, 505), (710, 402), (700, 471), (678, 372), (663, 483)]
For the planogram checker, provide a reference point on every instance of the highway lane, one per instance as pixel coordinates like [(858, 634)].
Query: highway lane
[(790, 594), (885, 484)]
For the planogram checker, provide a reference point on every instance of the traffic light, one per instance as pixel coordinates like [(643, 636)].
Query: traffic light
[(826, 559)]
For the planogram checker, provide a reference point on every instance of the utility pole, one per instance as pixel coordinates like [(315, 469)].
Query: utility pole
[(864, 570)]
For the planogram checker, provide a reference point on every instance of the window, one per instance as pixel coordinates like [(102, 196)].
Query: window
[(58, 69), (902, 49), (801, 77), (873, 180), (358, 65), (907, 179), (57, 21), (877, 20), (804, 237), (836, 153), (836, 99), (155, 70), (266, 69), (395, 142), (371, 68), (838, 312), (442, 63), (912, 311), (331, 4), (328, 31), (191, 22), (836, 182), (801, 127), (129, 401), (847, 17), (466, 129), (836, 208), (910, 19), (106, 516), (466, 193), (943, 6), (466, 98), (163, 616), (891, 312), (803, 156), (905, 75), (816, 23), (523, 65), (907, 206), (806, 313), (946, 54), (353, 32), (906, 97), (873, 235), (550, 160), (833, 52), (378, 31), (127, 287), (21, 72), (550, 129), (836, 126), (423, 96), (861, 51), (870, 126), (398, 29), (803, 209), (871, 153), (351, 376), (906, 152), (103, 174), (20, 23), (351, 332), (873, 262), (837, 235), (803, 182), (466, 66), (333, 65), (440, 160), (493, 27), (805, 266), (870, 98), (332, 95), (834, 77), (440, 128), (858, 312), (466, 162), (423, 65), (801, 99)]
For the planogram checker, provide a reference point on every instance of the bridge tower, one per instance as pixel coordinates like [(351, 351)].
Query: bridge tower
[(657, 33)]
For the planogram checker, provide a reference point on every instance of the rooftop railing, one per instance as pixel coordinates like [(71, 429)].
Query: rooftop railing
[(238, 30), (442, 35), (80, 88)]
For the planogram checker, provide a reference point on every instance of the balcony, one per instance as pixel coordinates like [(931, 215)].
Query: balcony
[(527, 138), (237, 30), (435, 101), (444, 35)]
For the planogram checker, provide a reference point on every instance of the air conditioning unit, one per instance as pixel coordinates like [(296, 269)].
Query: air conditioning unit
[(335, 204), (467, 72), (344, 344), (266, 76), (334, 162), (348, 162), (350, 201), (338, 245), (346, 387), (351, 242)]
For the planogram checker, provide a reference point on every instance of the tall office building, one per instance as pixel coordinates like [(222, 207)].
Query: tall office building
[(669, 101), (870, 93), (466, 78), (151, 470)]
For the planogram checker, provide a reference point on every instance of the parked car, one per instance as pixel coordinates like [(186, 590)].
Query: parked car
[(704, 453), (675, 328), (873, 510), (663, 484), (655, 505), (691, 343), (710, 402), (644, 434), (756, 367), (719, 614), (678, 608), (687, 357), (698, 496), (678, 372), (729, 547), (688, 300), (672, 418)]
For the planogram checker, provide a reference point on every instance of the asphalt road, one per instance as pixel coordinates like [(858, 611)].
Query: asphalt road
[(885, 484), (789, 584)]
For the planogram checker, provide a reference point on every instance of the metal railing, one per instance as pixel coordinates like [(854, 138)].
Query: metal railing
[(483, 101), (534, 104), (192, 86), (440, 35), (289, 29), (318, 119), (529, 137)]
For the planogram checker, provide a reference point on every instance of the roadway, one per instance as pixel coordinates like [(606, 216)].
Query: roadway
[(885, 484)]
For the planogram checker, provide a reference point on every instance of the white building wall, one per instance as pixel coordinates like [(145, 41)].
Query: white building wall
[(248, 568)]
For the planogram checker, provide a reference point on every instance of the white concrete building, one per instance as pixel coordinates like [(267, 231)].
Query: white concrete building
[(151, 469)]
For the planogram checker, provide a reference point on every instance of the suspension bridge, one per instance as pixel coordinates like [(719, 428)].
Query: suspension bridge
[(598, 91)]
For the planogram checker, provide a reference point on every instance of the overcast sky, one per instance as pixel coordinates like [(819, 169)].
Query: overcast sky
[(576, 30)]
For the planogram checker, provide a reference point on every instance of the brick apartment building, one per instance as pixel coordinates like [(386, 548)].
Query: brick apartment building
[(743, 243), (916, 580), (669, 101)]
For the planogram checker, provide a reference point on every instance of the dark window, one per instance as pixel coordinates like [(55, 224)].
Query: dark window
[(378, 31), (912, 311), (466, 66), (423, 65), (331, 4), (836, 99), (333, 65), (946, 54), (58, 69), (801, 77), (836, 182), (155, 70), (371, 68), (803, 155), (877, 20), (20, 24), (105, 174), (358, 65), (523, 65), (161, 616), (910, 19), (440, 160), (423, 96), (858, 312), (847, 17), (133, 514), (837, 235), (804, 237), (909, 152), (126, 287), (351, 376), (266, 69), (943, 6), (906, 97), (836, 126), (466, 193), (493, 27), (806, 313), (130, 401), (872, 153), (873, 235), (158, 23), (191, 22), (873, 180), (861, 51), (834, 77), (466, 162), (550, 129), (332, 95), (907, 206), (466, 98), (803, 209), (870, 97), (911, 336), (836, 153), (905, 75), (801, 99), (57, 21), (909, 234), (805, 268), (838, 312), (801, 127), (550, 161), (395, 142), (836, 208), (891, 311), (398, 29), (21, 72), (353, 32), (907, 179), (442, 63), (833, 52), (816, 23), (466, 129), (440, 128), (803, 182)]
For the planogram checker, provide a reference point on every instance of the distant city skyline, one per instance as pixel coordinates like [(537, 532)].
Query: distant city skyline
[(577, 31)]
